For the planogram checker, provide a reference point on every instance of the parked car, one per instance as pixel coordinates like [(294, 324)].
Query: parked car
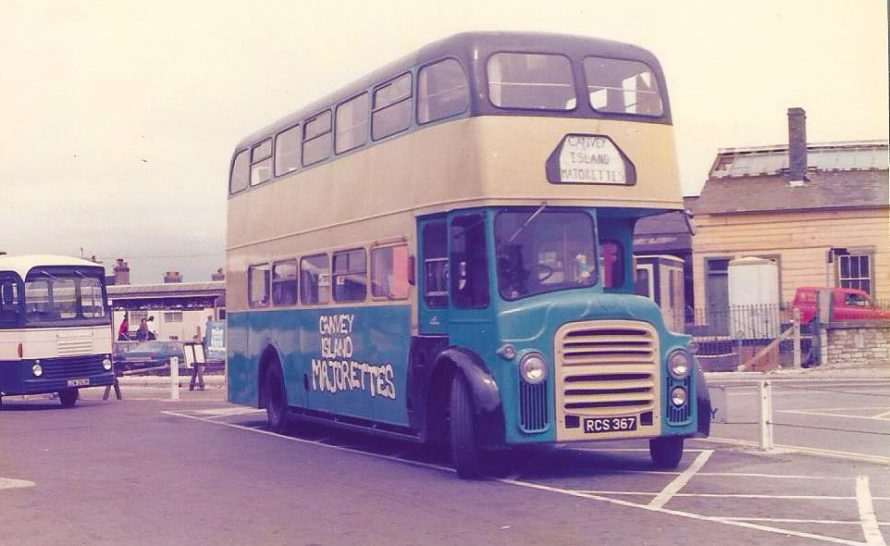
[(844, 304), (130, 355)]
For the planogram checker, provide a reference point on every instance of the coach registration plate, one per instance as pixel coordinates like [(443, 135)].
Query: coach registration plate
[(78, 382), (610, 424)]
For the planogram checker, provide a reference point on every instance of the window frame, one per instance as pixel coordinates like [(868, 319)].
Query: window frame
[(572, 78), (267, 301), (367, 123), (241, 153), (372, 270), (856, 282), (305, 140), (375, 110), (284, 280), (299, 150), (255, 162), (428, 66), (349, 272), (302, 284)]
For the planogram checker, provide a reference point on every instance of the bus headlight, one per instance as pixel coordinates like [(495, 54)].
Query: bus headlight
[(679, 364), (37, 369), (678, 396), (107, 364), (533, 368)]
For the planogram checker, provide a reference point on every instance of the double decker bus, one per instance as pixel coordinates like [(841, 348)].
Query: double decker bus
[(441, 251), (55, 326)]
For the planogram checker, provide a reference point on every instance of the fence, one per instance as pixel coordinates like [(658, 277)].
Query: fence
[(727, 337)]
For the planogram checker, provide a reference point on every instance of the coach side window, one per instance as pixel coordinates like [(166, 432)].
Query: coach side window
[(284, 283), (317, 138), (258, 285), (261, 162), (350, 275), (352, 124), (442, 91), (315, 284), (287, 151), (240, 168), (389, 272), (392, 107)]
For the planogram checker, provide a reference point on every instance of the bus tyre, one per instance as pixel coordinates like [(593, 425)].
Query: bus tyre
[(666, 452), (465, 452), (276, 399), (68, 397)]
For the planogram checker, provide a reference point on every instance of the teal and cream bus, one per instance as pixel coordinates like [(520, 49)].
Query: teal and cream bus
[(55, 326), (441, 251)]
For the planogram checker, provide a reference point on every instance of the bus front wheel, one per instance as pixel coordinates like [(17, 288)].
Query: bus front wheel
[(666, 452), (466, 454), (276, 399), (68, 397)]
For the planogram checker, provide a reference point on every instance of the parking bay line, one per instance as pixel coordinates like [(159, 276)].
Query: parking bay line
[(827, 413), (540, 487), (9, 483), (870, 526), (680, 481)]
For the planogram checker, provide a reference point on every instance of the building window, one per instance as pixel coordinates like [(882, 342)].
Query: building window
[(442, 91), (392, 108), (854, 271), (258, 285), (531, 81), (352, 124), (172, 316), (350, 270), (389, 272), (240, 169), (315, 284), (317, 138), (261, 162), (287, 151), (284, 283)]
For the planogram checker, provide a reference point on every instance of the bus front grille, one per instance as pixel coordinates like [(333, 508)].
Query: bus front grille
[(533, 407), (606, 369), (72, 368)]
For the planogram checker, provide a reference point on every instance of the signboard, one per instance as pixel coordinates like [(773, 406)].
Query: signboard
[(589, 159), (215, 339)]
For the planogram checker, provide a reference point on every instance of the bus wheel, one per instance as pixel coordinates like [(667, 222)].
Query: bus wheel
[(666, 452), (68, 397), (465, 452), (276, 399)]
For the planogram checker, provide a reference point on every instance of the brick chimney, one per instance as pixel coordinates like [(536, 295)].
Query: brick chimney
[(220, 275), (121, 272), (172, 276), (797, 146)]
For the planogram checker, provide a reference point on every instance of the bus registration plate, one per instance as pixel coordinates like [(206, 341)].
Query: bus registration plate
[(78, 382), (610, 424)]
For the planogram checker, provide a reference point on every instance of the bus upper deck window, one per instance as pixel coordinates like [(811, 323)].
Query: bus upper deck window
[(261, 162), (392, 108), (622, 87), (533, 81), (442, 91), (352, 124), (239, 175), (287, 151)]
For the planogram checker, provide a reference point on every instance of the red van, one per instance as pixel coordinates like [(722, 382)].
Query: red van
[(846, 304)]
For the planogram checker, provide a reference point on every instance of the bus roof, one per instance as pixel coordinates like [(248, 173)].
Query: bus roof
[(21, 265), (468, 47)]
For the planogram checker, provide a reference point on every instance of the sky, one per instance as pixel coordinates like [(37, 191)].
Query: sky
[(118, 118)]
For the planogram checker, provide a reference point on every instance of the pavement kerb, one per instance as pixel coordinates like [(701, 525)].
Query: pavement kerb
[(210, 381), (879, 372)]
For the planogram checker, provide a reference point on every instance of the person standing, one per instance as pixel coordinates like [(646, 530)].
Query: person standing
[(152, 329), (123, 332)]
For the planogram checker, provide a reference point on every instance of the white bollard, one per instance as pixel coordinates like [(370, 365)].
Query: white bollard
[(766, 416), (174, 378)]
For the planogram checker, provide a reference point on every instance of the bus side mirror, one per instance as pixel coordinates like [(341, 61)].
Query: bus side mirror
[(412, 270)]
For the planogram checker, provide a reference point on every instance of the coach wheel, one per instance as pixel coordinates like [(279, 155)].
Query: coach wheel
[(276, 399), (68, 397), (465, 452), (666, 452)]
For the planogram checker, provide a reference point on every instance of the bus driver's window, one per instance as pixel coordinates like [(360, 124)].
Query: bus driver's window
[(469, 262)]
